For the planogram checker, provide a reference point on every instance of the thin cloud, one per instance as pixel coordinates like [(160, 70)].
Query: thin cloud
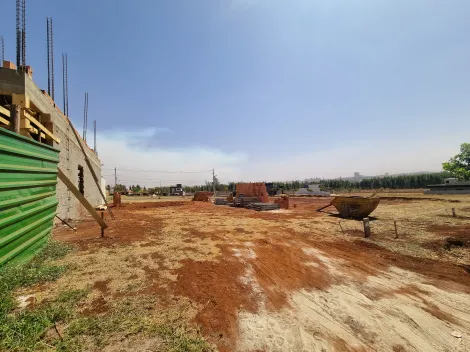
[(127, 151), (193, 165)]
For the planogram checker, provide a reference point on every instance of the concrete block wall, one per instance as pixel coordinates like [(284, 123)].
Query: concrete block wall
[(71, 155)]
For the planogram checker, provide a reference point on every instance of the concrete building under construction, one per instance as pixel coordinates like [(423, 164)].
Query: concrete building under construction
[(41, 119)]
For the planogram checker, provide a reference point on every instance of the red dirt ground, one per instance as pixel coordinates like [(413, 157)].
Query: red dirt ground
[(280, 266)]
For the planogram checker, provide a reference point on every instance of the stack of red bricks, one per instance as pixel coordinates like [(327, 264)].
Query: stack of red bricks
[(283, 201), (254, 189), (202, 196), (117, 199)]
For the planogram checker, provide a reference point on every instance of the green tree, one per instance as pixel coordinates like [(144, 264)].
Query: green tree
[(120, 188), (459, 165)]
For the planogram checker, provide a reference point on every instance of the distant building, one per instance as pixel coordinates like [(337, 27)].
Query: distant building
[(357, 177), (450, 186), (177, 190)]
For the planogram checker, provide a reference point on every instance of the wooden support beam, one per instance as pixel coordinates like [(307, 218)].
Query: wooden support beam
[(4, 111), (4, 121), (15, 116), (26, 126), (81, 198), (90, 167), (40, 126)]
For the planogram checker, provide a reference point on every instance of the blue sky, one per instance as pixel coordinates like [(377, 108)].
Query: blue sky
[(261, 89)]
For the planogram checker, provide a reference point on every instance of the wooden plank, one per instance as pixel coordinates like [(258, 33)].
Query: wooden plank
[(4, 121), (81, 198), (5, 111), (15, 118), (40, 126)]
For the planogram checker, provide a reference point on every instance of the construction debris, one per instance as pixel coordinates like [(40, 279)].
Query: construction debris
[(264, 206), (243, 202), (117, 199), (221, 201)]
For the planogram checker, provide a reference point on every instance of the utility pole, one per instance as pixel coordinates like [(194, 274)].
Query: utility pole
[(213, 181), (115, 179), (94, 137)]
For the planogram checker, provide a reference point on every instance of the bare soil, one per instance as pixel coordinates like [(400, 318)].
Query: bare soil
[(286, 280)]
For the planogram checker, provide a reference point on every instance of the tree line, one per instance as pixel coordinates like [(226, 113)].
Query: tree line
[(390, 182)]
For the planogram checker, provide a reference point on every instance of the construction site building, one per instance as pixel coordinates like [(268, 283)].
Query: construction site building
[(40, 113)]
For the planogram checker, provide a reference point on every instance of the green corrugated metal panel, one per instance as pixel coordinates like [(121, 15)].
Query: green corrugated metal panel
[(28, 202)]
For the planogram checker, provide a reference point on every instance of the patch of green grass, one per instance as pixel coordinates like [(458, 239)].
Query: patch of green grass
[(56, 325), (25, 329), (132, 317), (179, 339), (21, 330)]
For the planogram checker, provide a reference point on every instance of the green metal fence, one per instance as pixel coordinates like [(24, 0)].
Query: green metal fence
[(28, 202)]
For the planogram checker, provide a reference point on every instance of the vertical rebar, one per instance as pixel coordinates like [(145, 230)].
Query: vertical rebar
[(18, 34), (48, 57), (52, 61), (24, 34), (3, 49), (65, 83)]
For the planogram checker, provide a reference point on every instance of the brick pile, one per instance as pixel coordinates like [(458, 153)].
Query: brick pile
[(253, 189), (283, 202), (117, 199), (202, 196)]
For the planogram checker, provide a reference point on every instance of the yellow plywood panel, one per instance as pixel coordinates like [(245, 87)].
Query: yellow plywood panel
[(21, 100), (24, 123)]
